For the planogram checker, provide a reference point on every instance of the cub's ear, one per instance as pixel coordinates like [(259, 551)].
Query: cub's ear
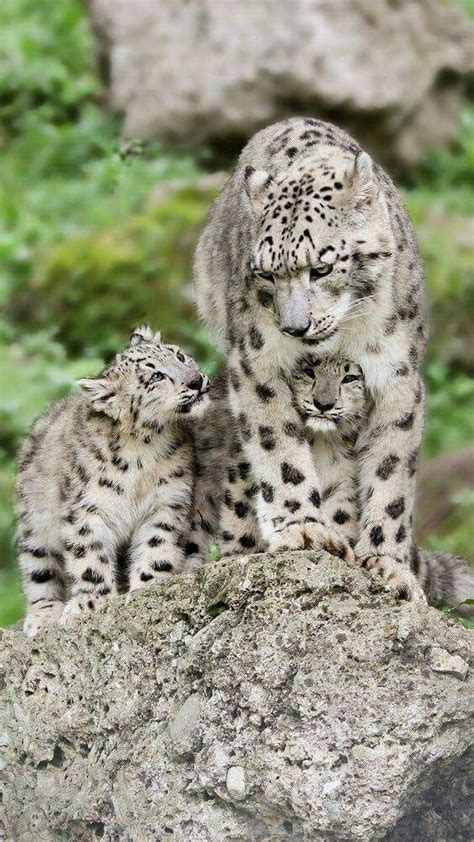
[(142, 334), (101, 395), (362, 180), (257, 185)]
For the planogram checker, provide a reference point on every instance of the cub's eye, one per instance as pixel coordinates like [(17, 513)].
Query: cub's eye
[(308, 371), (156, 376), (320, 271), (266, 276), (349, 378), (181, 357)]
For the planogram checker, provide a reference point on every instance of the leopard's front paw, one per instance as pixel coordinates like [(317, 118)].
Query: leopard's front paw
[(310, 535), (396, 577), (80, 605)]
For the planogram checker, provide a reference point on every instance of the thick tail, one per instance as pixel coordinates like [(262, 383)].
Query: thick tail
[(446, 579)]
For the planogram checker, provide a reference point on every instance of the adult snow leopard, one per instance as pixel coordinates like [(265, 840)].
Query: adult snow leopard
[(309, 247)]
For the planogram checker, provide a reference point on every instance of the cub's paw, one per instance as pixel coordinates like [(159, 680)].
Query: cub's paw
[(41, 618), (80, 605), (396, 577), (310, 535)]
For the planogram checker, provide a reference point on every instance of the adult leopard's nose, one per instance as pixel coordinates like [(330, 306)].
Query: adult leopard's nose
[(295, 330)]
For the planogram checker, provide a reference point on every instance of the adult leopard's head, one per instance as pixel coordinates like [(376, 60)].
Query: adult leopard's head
[(323, 240), (148, 384), (330, 394)]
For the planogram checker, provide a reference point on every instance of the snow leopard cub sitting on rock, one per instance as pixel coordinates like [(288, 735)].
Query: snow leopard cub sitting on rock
[(331, 396), (110, 465)]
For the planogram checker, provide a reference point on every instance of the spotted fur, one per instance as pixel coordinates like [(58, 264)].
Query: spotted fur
[(309, 248), (109, 466)]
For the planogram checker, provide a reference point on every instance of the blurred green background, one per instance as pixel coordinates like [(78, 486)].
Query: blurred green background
[(96, 237)]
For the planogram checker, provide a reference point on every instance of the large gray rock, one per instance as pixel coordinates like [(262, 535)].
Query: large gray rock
[(266, 698), (393, 73)]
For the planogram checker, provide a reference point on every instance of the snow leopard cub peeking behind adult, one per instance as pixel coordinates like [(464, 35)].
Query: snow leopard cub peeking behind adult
[(109, 465), (331, 396)]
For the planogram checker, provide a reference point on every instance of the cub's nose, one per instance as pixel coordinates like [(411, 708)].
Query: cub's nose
[(196, 383), (323, 407)]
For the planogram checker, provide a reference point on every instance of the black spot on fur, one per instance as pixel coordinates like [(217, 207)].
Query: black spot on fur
[(146, 577), (247, 541), (252, 490), (412, 463), (241, 509), (92, 576), (290, 474), (265, 393), (85, 529), (376, 536), (401, 534), (38, 552), (40, 576), (155, 541), (244, 426), (294, 431), (256, 338), (315, 498), (161, 566), (292, 505), (267, 437), (402, 370), (341, 516), (244, 469), (232, 474), (405, 422), (396, 508), (191, 548), (387, 466), (268, 492)]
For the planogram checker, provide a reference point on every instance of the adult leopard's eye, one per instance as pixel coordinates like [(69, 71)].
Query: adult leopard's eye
[(156, 376), (181, 357), (266, 276), (308, 371), (320, 271), (349, 378)]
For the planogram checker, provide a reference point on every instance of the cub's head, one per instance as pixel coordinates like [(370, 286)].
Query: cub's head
[(330, 395), (323, 241), (148, 384)]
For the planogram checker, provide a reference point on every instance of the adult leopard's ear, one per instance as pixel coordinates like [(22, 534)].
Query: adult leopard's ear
[(143, 334), (101, 394), (362, 180), (258, 184)]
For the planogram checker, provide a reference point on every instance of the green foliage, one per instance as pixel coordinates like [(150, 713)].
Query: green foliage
[(144, 260), (34, 372), (46, 61), (447, 176), (468, 5), (85, 253), (450, 409)]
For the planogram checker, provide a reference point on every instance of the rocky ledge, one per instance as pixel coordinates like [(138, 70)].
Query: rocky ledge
[(266, 697)]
